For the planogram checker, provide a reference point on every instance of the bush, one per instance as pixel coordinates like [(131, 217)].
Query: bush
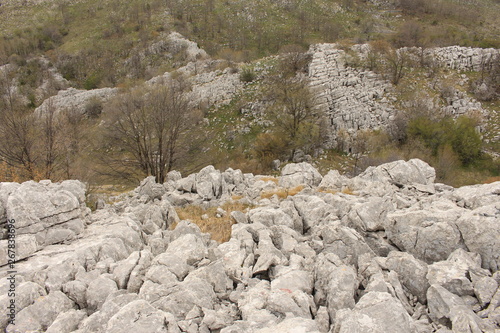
[(460, 134), (93, 108), (248, 75)]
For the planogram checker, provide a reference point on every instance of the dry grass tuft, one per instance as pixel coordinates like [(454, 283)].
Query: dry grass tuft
[(218, 227), (348, 191), (345, 190), (492, 180), (327, 190), (282, 193)]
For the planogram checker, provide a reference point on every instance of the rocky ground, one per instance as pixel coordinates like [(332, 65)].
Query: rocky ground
[(387, 251)]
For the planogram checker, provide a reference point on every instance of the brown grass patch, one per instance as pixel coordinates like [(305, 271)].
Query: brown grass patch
[(348, 191), (282, 193), (327, 190), (492, 180), (218, 227), (345, 190)]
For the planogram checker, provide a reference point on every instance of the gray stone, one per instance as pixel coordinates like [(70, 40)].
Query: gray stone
[(77, 292), (209, 183), (293, 175), (481, 234), (451, 276), (174, 264), (341, 289), (189, 247), (26, 245), (401, 173), (370, 215), (291, 325), (98, 320), (313, 210), (182, 298), (290, 280), (187, 184), (427, 234), (151, 189), (445, 306), (484, 289), (41, 314), (97, 292), (140, 316), (239, 217), (214, 274), (270, 216), (412, 273), (333, 180), (26, 293), (375, 312), (67, 322)]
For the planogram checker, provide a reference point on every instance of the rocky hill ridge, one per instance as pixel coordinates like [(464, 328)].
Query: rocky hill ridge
[(386, 251)]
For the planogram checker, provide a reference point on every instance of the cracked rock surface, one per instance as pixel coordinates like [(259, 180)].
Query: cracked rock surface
[(399, 254)]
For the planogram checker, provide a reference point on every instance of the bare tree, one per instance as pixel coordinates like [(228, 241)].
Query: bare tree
[(293, 111), (144, 130), (16, 128)]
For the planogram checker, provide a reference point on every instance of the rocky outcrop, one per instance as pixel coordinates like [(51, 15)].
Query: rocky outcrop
[(75, 101), (353, 99), (399, 253), (357, 99), (464, 58)]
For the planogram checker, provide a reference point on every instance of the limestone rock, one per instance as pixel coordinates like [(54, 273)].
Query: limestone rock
[(140, 316), (293, 175), (41, 314), (67, 322), (189, 247), (97, 292), (444, 305), (375, 312), (402, 173), (412, 273)]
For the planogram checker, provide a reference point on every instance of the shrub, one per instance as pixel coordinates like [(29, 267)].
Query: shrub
[(93, 108), (247, 75)]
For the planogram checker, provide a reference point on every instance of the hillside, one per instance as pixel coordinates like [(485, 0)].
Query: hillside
[(364, 78)]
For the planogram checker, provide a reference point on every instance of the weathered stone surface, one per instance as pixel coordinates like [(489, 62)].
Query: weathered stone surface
[(444, 306), (97, 292), (481, 233), (430, 235), (272, 216), (484, 289), (74, 100), (51, 212), (209, 183), (140, 316), (412, 273), (370, 215), (292, 325), (402, 173), (67, 322), (295, 174), (41, 314), (188, 247), (98, 321), (375, 312), (151, 189), (294, 264), (452, 276)]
